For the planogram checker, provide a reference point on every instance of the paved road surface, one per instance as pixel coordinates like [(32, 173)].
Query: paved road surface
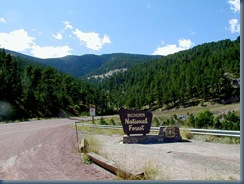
[(43, 150), (47, 150)]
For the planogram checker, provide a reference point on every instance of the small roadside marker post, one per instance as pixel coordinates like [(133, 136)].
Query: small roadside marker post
[(76, 132), (92, 113)]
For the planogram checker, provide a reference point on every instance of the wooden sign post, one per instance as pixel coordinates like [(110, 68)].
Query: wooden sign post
[(92, 113)]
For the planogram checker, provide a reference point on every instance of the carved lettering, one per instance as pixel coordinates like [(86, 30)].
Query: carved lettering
[(132, 128), (135, 122)]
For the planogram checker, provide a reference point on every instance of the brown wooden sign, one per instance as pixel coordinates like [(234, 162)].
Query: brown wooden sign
[(135, 122)]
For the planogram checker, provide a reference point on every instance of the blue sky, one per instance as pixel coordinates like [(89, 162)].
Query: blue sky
[(56, 28)]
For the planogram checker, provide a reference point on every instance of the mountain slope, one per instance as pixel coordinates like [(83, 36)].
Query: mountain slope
[(121, 61), (89, 64), (210, 71), (28, 90)]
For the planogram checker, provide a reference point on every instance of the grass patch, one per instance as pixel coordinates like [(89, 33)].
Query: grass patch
[(92, 144), (217, 139), (106, 121), (86, 159), (105, 131), (186, 134), (152, 171), (121, 176), (101, 130)]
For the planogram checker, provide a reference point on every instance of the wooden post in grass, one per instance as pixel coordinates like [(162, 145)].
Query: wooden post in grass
[(92, 113), (76, 133)]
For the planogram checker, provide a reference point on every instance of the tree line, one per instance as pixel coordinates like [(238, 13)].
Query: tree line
[(29, 90), (206, 72)]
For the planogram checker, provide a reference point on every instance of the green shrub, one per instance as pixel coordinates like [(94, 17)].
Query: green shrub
[(87, 159), (191, 121), (202, 103), (217, 123), (156, 122), (102, 121), (112, 122), (169, 121), (231, 121), (84, 113), (204, 119)]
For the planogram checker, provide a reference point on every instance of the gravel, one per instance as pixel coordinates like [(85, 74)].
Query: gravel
[(50, 154), (194, 160)]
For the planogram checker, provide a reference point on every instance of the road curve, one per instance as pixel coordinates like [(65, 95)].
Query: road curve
[(44, 150)]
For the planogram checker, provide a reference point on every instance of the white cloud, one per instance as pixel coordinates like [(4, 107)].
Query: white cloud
[(17, 40), (234, 5), (183, 44), (50, 52), (3, 20), (58, 36), (67, 25), (234, 26), (91, 40), (234, 23), (20, 41)]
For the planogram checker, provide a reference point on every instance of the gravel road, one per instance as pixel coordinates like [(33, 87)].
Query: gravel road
[(44, 150), (193, 160)]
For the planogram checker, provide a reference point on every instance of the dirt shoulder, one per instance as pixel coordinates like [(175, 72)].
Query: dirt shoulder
[(49, 154)]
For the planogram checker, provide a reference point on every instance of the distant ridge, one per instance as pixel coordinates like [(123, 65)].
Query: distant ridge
[(89, 64)]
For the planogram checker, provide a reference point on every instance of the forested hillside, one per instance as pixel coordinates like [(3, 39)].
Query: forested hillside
[(89, 64), (209, 71), (120, 61), (29, 90)]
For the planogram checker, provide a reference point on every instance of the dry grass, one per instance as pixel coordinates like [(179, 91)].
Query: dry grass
[(186, 134), (217, 139), (100, 130), (216, 108), (92, 144), (151, 171)]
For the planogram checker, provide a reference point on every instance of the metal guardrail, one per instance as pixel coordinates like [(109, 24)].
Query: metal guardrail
[(226, 133)]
